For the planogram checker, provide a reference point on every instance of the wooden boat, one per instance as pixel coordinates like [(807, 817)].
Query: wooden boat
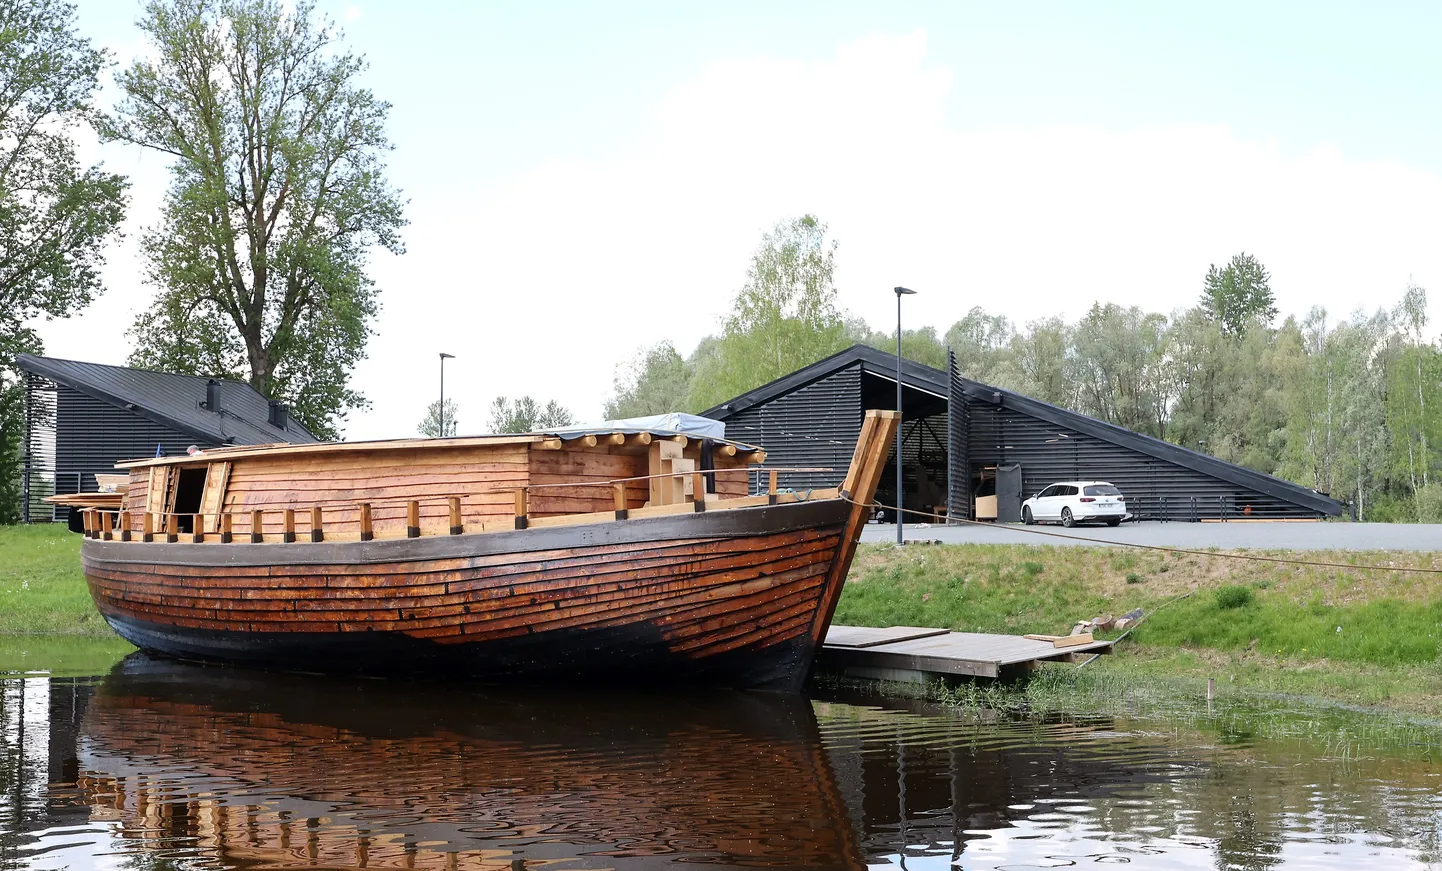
[(634, 556), (231, 768)]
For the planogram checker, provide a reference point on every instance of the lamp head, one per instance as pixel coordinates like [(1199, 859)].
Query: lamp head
[(445, 356), (904, 291)]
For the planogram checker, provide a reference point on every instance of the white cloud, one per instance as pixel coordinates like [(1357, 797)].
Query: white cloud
[(543, 285)]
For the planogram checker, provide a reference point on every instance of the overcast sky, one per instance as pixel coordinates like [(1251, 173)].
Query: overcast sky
[(588, 179)]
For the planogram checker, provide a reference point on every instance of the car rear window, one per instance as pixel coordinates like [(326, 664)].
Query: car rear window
[(1101, 490)]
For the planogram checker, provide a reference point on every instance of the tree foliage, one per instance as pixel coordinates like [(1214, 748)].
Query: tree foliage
[(784, 317), (525, 414), (55, 214), (278, 192), (1352, 408), (433, 425), (657, 381), (1239, 295)]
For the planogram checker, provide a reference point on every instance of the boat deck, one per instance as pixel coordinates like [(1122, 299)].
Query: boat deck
[(912, 653)]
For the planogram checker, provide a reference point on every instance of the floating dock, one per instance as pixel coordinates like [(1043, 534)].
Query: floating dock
[(912, 653)]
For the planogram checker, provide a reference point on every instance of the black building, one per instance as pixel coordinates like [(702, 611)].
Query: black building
[(964, 442), (83, 418)]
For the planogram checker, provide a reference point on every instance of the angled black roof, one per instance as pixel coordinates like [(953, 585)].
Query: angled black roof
[(174, 401), (920, 377)]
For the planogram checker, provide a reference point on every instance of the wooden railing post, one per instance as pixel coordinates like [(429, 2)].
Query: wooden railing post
[(457, 525), (317, 527), (698, 490), (125, 526), (85, 522), (148, 530), (227, 528), (413, 519), (771, 488), (107, 525), (257, 527), (366, 532), (287, 528), (521, 508), (172, 528), (197, 528), (619, 490)]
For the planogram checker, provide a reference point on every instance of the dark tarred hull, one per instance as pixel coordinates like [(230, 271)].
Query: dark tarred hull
[(737, 597)]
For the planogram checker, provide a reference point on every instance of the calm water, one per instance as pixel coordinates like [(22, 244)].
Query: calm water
[(161, 765)]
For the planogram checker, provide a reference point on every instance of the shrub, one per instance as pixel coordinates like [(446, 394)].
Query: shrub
[(1429, 504), (1233, 596)]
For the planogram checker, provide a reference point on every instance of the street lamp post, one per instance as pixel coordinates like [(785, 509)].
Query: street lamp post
[(900, 499), (441, 412)]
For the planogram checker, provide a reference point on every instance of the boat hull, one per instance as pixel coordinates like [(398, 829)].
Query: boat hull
[(737, 598)]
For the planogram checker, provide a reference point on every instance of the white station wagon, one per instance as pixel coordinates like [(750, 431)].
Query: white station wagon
[(1073, 502)]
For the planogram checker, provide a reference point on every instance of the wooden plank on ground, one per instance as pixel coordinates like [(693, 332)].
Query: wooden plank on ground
[(871, 636)]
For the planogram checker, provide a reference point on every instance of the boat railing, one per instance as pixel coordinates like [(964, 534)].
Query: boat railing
[(115, 524)]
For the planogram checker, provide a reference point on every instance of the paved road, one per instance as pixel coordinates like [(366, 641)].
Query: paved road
[(1227, 536)]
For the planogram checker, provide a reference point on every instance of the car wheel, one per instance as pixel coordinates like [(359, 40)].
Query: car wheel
[(1114, 521), (1066, 519), (1026, 517)]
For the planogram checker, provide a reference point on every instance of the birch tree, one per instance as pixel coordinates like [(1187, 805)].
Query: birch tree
[(784, 317)]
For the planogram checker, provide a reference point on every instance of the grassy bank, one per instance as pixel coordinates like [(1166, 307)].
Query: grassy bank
[(1358, 635), (42, 591)]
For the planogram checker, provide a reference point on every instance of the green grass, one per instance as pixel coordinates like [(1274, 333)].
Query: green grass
[(1387, 632), (42, 590), (1359, 615), (1357, 635)]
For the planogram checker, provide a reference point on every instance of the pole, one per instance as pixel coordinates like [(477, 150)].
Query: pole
[(441, 413), (900, 515)]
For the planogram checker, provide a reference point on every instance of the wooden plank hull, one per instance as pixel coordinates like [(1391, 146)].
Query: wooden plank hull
[(728, 597)]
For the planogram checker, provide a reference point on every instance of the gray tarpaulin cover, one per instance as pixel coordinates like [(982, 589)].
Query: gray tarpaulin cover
[(676, 421)]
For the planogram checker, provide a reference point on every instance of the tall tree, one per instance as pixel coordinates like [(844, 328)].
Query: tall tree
[(433, 425), (1412, 403), (55, 214), (1120, 367), (525, 414), (1239, 294), (1040, 356), (921, 345), (278, 192), (783, 318), (983, 347), (656, 381)]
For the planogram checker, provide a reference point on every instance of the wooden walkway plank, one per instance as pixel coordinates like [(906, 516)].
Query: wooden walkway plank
[(899, 650), (871, 636)]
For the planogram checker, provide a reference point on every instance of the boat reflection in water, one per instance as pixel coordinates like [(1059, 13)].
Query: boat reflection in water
[(247, 769)]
